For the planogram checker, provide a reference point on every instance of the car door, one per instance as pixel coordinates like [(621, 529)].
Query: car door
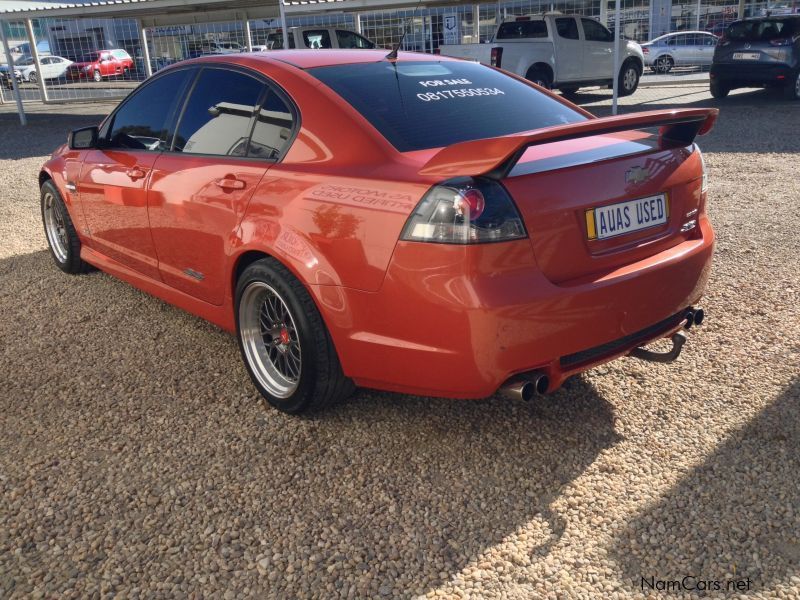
[(706, 44), (569, 50), (200, 189), (113, 178), (598, 50), (682, 49)]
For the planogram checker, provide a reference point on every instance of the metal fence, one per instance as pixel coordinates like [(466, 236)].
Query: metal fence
[(96, 59)]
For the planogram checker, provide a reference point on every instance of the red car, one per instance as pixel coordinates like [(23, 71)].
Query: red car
[(421, 224), (100, 64)]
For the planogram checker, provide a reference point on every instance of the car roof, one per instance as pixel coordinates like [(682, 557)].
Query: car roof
[(309, 59)]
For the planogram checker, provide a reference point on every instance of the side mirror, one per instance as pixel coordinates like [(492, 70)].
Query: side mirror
[(83, 139)]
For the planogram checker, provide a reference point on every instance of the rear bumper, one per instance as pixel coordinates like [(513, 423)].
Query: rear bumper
[(751, 75), (459, 321)]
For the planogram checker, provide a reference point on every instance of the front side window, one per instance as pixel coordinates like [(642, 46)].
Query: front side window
[(350, 39), (275, 40), (317, 39), (567, 28), (515, 30), (144, 121), (219, 114), (595, 32), (419, 105)]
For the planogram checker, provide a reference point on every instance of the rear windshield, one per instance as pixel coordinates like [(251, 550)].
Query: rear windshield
[(420, 105), (516, 30), (762, 30)]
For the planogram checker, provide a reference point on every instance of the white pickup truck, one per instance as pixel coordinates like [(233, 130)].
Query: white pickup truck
[(557, 51)]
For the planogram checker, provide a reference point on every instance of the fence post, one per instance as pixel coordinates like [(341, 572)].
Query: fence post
[(615, 74), (358, 24), (248, 35), (283, 25), (36, 60), (741, 9), (148, 68), (23, 120)]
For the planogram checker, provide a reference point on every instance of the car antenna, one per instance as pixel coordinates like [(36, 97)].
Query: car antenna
[(393, 54)]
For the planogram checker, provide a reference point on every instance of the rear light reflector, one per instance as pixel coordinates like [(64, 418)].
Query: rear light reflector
[(496, 57), (465, 211)]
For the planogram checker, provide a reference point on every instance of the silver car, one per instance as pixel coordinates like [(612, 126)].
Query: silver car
[(680, 49)]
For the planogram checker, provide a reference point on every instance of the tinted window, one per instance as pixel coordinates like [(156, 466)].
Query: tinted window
[(349, 39), (219, 115), (762, 30), (144, 121), (273, 129), (275, 41), (567, 28), (595, 32), (522, 29), (418, 105), (317, 39)]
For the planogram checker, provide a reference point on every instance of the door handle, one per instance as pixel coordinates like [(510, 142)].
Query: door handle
[(135, 173), (230, 183)]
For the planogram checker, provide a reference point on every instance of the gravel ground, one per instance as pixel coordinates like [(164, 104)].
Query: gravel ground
[(137, 459)]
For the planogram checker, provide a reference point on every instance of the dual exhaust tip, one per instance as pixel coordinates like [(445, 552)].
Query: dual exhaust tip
[(694, 316), (526, 387)]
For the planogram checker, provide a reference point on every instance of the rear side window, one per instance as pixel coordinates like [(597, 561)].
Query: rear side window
[(275, 40), (317, 39), (350, 39), (418, 105), (219, 114), (762, 30), (144, 121), (273, 129), (567, 28), (515, 30), (595, 32)]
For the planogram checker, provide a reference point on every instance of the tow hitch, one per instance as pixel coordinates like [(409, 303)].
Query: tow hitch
[(694, 316), (678, 340)]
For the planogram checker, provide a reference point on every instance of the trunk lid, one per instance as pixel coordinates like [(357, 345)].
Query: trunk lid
[(624, 200)]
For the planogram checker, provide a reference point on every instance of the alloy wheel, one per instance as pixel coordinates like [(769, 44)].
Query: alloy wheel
[(56, 228), (270, 339), (629, 79)]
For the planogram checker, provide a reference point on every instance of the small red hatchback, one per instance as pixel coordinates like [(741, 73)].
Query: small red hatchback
[(420, 224), (100, 64)]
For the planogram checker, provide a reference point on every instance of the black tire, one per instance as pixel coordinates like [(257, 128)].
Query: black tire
[(792, 89), (33, 77), (67, 255), (718, 89), (629, 76), (97, 76), (540, 76), (321, 381), (664, 64)]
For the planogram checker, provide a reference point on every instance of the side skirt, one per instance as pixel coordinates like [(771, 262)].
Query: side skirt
[(221, 316)]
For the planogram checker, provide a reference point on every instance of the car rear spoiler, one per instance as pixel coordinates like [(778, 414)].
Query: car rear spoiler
[(495, 157)]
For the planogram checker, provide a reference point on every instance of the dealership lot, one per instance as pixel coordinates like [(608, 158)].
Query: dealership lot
[(139, 457)]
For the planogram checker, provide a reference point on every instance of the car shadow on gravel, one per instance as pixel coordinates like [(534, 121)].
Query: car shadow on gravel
[(147, 427), (43, 133), (736, 516)]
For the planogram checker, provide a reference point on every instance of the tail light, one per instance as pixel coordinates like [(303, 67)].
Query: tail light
[(496, 57), (465, 211), (645, 50), (781, 42)]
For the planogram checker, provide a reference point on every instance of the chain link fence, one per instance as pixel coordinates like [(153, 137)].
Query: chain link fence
[(100, 59)]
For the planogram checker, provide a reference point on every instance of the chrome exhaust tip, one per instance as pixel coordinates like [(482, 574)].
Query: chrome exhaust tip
[(526, 387), (699, 316)]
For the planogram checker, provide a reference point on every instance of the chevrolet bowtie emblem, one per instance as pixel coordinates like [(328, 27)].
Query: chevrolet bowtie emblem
[(637, 175)]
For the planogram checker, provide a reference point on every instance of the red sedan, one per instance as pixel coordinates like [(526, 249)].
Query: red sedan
[(100, 64), (418, 224)]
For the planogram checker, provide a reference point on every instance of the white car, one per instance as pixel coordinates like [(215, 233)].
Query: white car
[(557, 51), (53, 67), (319, 38), (680, 49)]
